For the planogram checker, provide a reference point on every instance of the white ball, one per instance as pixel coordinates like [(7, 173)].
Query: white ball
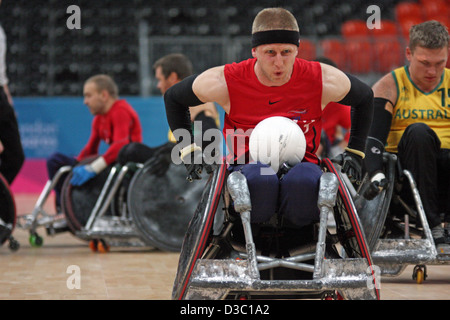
[(277, 140)]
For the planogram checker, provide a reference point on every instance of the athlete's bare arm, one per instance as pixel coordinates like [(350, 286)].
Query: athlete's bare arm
[(387, 89), (210, 86), (335, 84)]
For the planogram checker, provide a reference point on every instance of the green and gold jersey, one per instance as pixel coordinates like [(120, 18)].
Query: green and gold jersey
[(413, 105)]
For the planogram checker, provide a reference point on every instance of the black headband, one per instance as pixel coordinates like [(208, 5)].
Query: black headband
[(275, 36)]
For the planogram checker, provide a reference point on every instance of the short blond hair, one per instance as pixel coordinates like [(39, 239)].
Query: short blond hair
[(274, 19), (105, 82), (429, 34)]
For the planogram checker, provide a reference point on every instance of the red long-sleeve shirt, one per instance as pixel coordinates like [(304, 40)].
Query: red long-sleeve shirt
[(118, 127)]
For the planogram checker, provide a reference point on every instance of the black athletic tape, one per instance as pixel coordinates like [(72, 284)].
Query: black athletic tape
[(178, 99), (360, 98), (382, 120)]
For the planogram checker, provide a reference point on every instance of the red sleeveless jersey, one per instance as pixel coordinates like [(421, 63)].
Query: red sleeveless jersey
[(251, 102)]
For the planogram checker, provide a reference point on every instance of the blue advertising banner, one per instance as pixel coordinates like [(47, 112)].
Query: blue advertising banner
[(63, 124)]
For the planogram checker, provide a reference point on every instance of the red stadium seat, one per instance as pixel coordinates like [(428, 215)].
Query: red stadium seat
[(407, 23), (408, 10), (387, 55), (307, 50), (334, 49), (359, 56), (436, 10), (388, 29), (354, 28)]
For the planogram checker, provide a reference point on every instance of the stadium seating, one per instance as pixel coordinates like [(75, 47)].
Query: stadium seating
[(387, 54), (360, 56), (307, 50), (354, 29), (45, 58), (408, 10), (333, 49), (387, 28)]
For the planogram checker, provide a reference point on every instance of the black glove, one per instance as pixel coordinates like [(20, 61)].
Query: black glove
[(352, 164), (193, 159)]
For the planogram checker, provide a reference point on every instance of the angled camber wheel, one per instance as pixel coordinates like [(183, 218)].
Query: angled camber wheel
[(373, 213), (162, 204), (350, 231), (77, 202), (199, 230)]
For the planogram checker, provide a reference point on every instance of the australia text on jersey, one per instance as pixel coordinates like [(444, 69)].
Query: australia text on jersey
[(422, 114)]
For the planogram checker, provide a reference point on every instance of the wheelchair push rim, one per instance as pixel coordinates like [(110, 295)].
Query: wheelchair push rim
[(355, 224), (199, 231)]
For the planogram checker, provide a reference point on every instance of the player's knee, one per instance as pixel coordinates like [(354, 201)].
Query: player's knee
[(302, 176), (417, 128), (420, 134)]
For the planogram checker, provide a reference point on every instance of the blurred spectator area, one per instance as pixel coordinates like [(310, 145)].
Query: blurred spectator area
[(124, 38)]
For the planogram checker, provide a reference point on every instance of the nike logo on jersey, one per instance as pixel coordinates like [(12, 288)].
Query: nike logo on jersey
[(271, 103)]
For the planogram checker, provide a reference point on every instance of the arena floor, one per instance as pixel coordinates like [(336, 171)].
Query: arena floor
[(134, 273)]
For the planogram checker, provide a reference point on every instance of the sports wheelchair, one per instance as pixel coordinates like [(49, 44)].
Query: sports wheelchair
[(396, 227), (131, 205), (7, 215), (276, 259)]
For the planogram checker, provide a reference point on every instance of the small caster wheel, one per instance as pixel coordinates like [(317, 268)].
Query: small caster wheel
[(419, 274), (102, 246), (93, 245), (241, 296), (14, 245), (329, 296), (36, 240)]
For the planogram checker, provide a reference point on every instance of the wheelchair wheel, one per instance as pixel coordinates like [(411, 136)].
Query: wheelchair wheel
[(349, 230), (348, 226), (7, 215), (373, 213), (77, 202), (199, 231), (162, 205)]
